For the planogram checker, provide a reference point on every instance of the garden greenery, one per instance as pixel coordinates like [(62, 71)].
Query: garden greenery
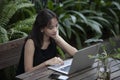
[(80, 21)]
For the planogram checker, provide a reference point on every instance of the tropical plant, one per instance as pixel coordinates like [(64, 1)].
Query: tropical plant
[(39, 4), (80, 20), (93, 19), (12, 16), (104, 63), (111, 11), (77, 21)]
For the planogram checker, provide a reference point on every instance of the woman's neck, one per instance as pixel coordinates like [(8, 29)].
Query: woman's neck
[(46, 42), (46, 38)]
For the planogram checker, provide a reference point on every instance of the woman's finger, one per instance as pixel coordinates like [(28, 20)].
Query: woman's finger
[(60, 60)]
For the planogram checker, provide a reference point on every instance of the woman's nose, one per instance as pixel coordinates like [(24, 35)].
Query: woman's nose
[(55, 29)]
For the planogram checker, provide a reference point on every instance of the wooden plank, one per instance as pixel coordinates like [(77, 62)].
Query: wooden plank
[(117, 78), (10, 52), (35, 75), (11, 44), (84, 75), (115, 74), (9, 62), (4, 55), (91, 74)]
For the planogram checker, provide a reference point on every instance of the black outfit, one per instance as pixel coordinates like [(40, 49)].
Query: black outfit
[(40, 56)]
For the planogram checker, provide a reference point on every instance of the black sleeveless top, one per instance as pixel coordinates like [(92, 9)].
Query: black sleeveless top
[(40, 56)]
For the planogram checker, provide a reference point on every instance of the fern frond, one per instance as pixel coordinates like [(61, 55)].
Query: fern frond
[(3, 35), (9, 10), (23, 23), (15, 34), (24, 26)]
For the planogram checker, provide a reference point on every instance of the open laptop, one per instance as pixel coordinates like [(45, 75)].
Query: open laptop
[(79, 61)]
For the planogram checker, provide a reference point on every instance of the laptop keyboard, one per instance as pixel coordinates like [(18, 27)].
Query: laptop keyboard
[(66, 68)]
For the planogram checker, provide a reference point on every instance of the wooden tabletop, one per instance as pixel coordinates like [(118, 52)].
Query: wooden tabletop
[(86, 74)]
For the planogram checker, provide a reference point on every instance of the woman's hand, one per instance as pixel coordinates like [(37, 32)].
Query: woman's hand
[(53, 61), (56, 36)]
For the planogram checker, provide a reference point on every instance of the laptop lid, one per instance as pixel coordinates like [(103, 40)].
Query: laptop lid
[(80, 60)]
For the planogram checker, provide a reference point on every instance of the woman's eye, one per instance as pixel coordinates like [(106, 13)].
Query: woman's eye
[(50, 27)]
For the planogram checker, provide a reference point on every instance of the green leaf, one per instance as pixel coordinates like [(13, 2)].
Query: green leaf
[(3, 35), (61, 52), (67, 23), (80, 28), (93, 40), (78, 40), (95, 26), (116, 4), (79, 14), (73, 18)]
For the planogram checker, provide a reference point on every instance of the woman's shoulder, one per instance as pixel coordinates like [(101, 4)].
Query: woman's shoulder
[(29, 42)]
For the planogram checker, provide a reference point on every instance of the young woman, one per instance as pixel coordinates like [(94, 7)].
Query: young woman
[(39, 49)]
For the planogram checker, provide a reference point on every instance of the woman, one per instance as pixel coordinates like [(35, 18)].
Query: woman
[(40, 46)]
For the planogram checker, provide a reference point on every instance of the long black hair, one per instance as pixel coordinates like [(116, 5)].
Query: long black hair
[(42, 20)]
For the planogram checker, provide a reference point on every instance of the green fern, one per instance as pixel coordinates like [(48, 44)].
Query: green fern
[(9, 10), (14, 34), (25, 22), (21, 28), (3, 35)]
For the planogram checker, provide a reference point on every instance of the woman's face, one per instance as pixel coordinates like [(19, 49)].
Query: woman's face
[(52, 29)]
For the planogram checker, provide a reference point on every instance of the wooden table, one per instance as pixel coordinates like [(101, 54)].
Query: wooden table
[(87, 74)]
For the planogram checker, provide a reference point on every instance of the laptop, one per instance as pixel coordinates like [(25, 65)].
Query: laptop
[(79, 61)]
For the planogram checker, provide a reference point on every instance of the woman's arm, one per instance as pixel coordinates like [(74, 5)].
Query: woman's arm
[(28, 58), (64, 45)]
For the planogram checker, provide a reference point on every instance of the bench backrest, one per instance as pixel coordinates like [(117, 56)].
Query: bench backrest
[(10, 52)]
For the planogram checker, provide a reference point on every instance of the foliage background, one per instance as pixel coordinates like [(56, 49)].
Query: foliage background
[(82, 22)]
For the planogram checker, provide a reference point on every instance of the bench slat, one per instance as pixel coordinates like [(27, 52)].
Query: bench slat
[(10, 52)]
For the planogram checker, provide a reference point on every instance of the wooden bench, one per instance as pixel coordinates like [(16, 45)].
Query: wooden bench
[(10, 52)]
